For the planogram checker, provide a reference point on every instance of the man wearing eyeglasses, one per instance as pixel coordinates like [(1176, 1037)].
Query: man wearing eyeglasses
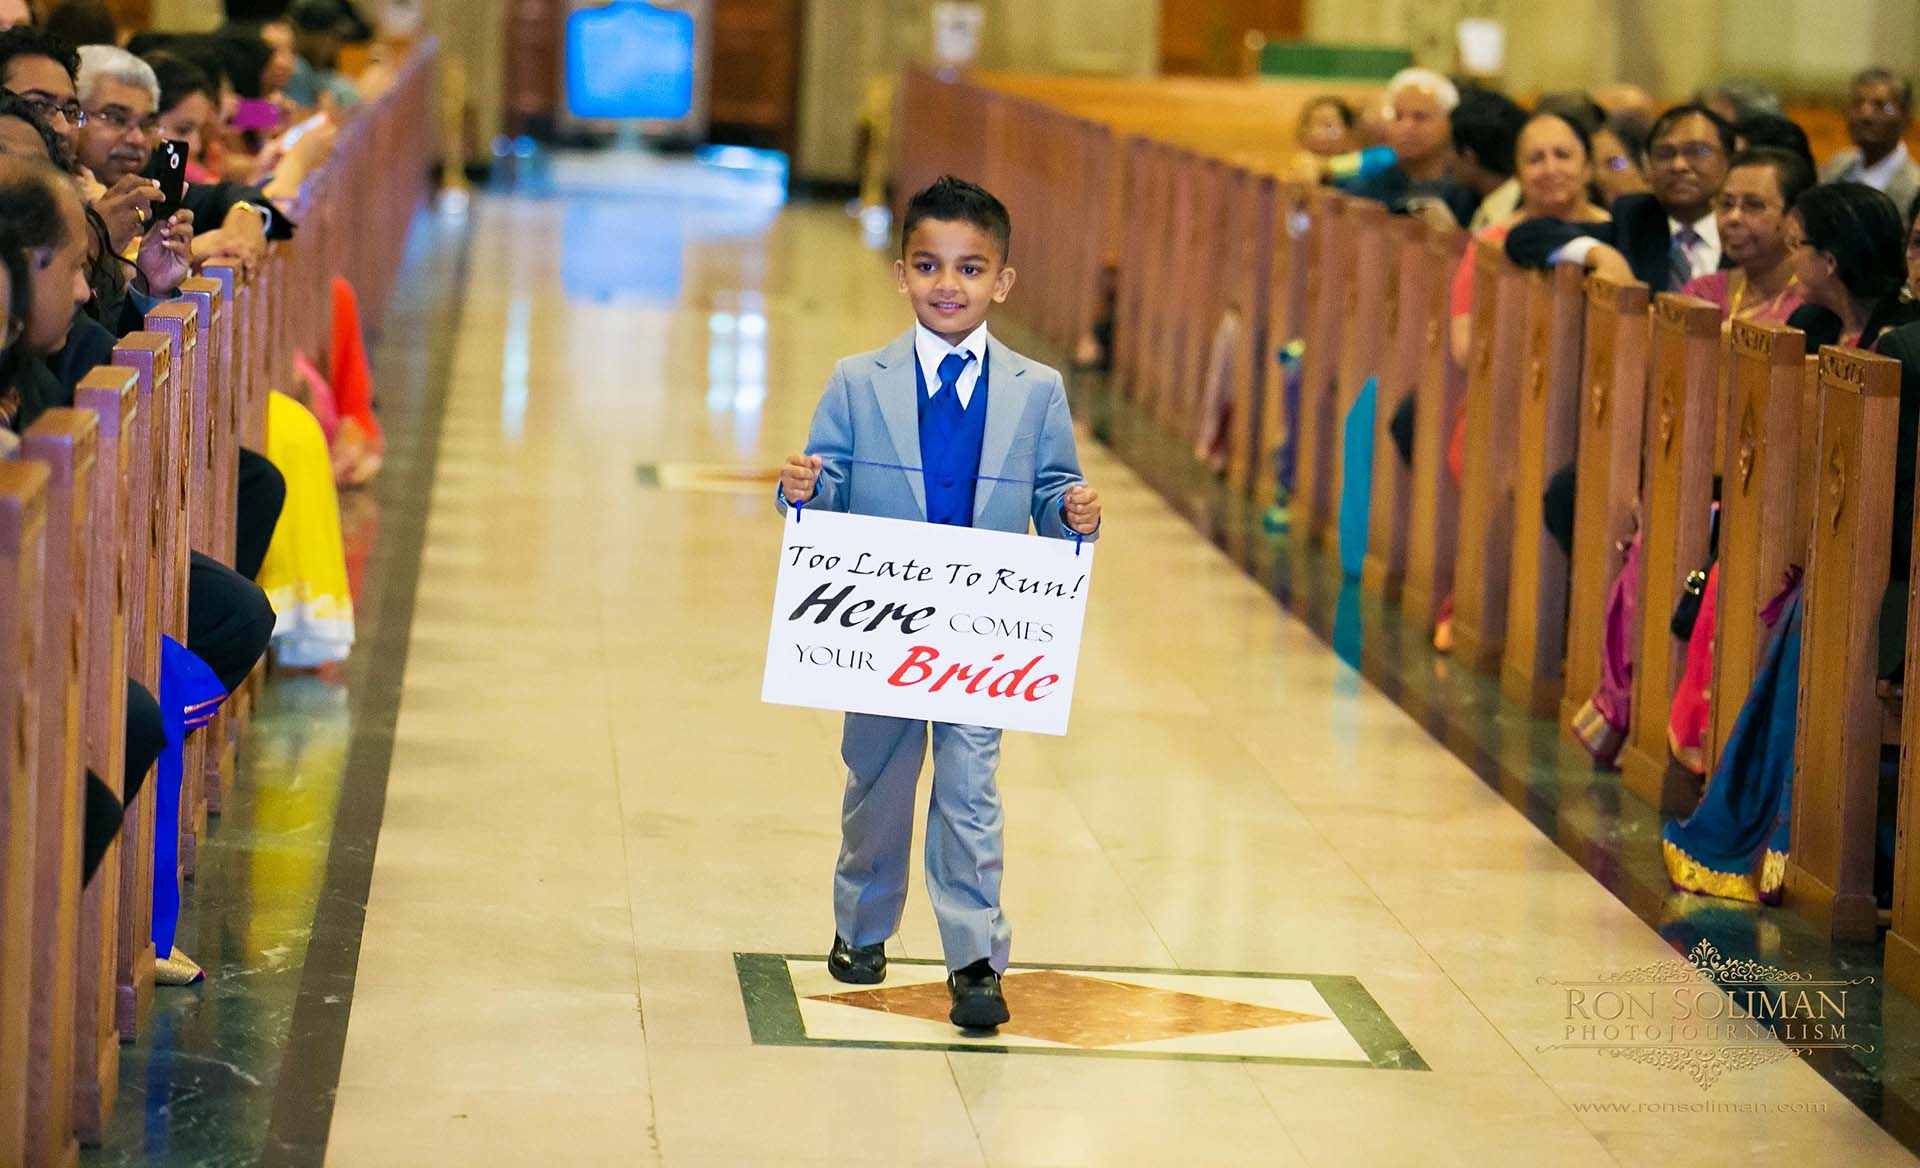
[(1879, 110), (1662, 239)]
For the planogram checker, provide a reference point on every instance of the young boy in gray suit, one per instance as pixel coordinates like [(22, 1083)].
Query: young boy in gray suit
[(944, 425)]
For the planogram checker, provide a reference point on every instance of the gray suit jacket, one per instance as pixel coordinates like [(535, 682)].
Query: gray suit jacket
[(870, 413), (1901, 188)]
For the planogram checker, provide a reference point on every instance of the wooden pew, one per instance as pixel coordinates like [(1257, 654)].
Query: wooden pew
[(112, 396), (1286, 323), (23, 524), (63, 441), (1372, 262), (1317, 432), (179, 323), (1413, 312), (213, 387), (1549, 414), (1675, 521), (1494, 371), (1434, 515), (1766, 501), (1255, 196), (1837, 755), (1608, 470), (157, 606)]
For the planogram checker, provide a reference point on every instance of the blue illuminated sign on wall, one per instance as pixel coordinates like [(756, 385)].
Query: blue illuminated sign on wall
[(630, 60)]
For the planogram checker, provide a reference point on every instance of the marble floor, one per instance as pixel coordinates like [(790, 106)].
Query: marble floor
[(1261, 915)]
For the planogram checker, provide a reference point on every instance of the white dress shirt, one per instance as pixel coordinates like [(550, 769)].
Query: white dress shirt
[(931, 350), (1704, 255)]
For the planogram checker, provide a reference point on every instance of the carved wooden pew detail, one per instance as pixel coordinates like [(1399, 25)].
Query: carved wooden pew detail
[(23, 524), (1837, 756), (1535, 651), (1675, 522), (62, 440)]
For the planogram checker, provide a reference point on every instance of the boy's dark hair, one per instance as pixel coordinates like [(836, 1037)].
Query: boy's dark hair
[(24, 40), (957, 200), (1487, 123)]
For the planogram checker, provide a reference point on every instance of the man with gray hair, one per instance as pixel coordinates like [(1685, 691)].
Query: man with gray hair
[(1419, 106), (1879, 110), (121, 98)]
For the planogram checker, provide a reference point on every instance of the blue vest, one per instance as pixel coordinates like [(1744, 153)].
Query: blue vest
[(950, 441)]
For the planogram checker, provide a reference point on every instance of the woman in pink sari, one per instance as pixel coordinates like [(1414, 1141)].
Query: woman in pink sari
[(1751, 212)]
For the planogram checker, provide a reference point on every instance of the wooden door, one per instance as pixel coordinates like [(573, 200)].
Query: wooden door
[(1208, 37)]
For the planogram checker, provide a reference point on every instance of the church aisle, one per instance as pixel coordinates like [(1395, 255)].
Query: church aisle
[(1263, 917)]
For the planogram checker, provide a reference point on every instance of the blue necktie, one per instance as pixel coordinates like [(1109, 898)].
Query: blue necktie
[(951, 366)]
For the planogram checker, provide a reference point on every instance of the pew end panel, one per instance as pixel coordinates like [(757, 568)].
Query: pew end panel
[(1675, 521), (1365, 307), (1434, 518), (160, 609), (1286, 323), (112, 396), (1535, 651), (23, 526), (1317, 434), (1494, 368), (64, 441), (1765, 500), (1837, 749), (1410, 317)]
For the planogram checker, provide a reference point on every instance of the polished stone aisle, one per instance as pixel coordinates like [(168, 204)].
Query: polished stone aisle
[(601, 888)]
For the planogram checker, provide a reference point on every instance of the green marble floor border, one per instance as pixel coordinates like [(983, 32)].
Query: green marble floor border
[(773, 1015)]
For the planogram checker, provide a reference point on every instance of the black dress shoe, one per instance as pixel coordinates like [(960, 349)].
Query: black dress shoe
[(857, 964), (977, 1002)]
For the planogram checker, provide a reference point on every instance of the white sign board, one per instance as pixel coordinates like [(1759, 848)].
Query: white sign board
[(919, 620), (956, 34)]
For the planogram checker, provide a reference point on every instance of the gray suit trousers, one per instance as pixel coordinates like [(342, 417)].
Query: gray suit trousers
[(884, 757)]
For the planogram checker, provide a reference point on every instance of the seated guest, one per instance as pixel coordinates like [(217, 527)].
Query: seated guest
[(1485, 126), (1620, 157), (40, 68), (1555, 163), (1662, 239), (1913, 251), (1879, 110), (43, 246), (320, 28), (187, 109), (1326, 127), (1751, 212), (1848, 245), (1419, 102)]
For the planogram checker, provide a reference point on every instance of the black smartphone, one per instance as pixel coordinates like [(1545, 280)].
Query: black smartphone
[(168, 167)]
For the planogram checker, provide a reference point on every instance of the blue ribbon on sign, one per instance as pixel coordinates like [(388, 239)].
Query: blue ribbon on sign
[(979, 478)]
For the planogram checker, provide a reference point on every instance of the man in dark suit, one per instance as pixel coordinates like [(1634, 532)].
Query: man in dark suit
[(1661, 239)]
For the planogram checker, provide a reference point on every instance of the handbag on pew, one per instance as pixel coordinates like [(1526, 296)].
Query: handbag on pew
[(1687, 610)]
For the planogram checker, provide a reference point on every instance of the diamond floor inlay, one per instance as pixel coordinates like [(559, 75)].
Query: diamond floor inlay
[(1147, 1013)]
